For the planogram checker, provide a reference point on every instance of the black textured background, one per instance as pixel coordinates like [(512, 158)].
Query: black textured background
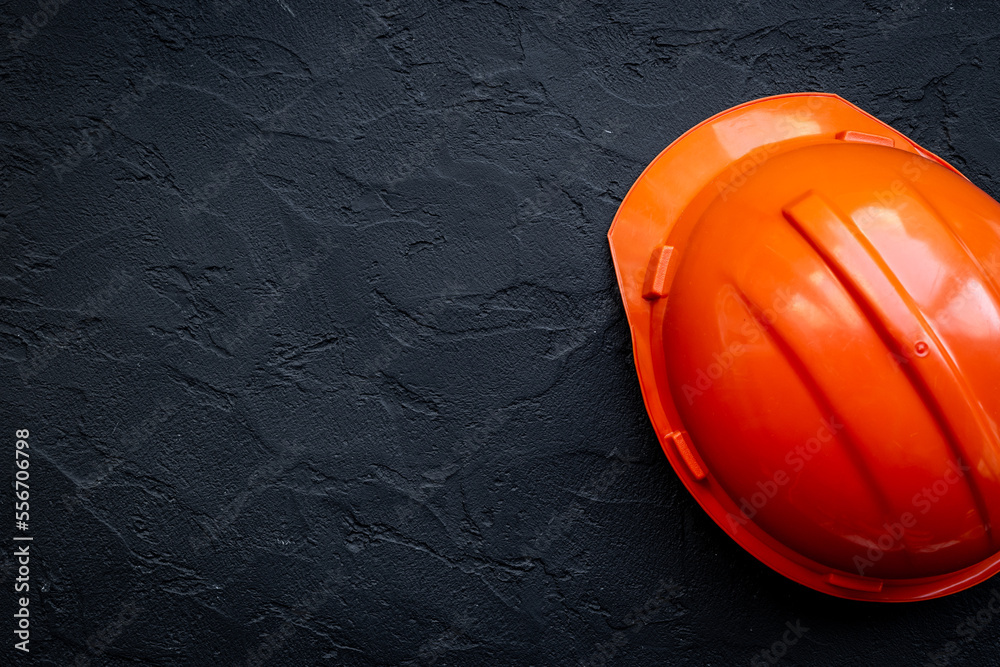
[(310, 311)]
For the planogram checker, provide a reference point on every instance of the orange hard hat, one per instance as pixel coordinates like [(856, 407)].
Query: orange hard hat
[(814, 303)]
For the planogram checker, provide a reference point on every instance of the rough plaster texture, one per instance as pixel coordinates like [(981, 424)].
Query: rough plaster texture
[(310, 311)]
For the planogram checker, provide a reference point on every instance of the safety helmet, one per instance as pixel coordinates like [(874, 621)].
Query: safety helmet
[(814, 302)]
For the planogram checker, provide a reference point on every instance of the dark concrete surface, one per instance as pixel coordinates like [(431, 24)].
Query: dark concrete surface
[(309, 310)]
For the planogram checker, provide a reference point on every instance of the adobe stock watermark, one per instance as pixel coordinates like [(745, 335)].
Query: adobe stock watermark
[(227, 516), (91, 139), (375, 365), (967, 629), (752, 331), (796, 459), (219, 181), (923, 502), (739, 172), (224, 7), (433, 649), (92, 306), (552, 189), (779, 649), (32, 23), (561, 11), (463, 449), (634, 621), (290, 281), (139, 434), (412, 161), (560, 524), (98, 643), (304, 610), (965, 295)]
